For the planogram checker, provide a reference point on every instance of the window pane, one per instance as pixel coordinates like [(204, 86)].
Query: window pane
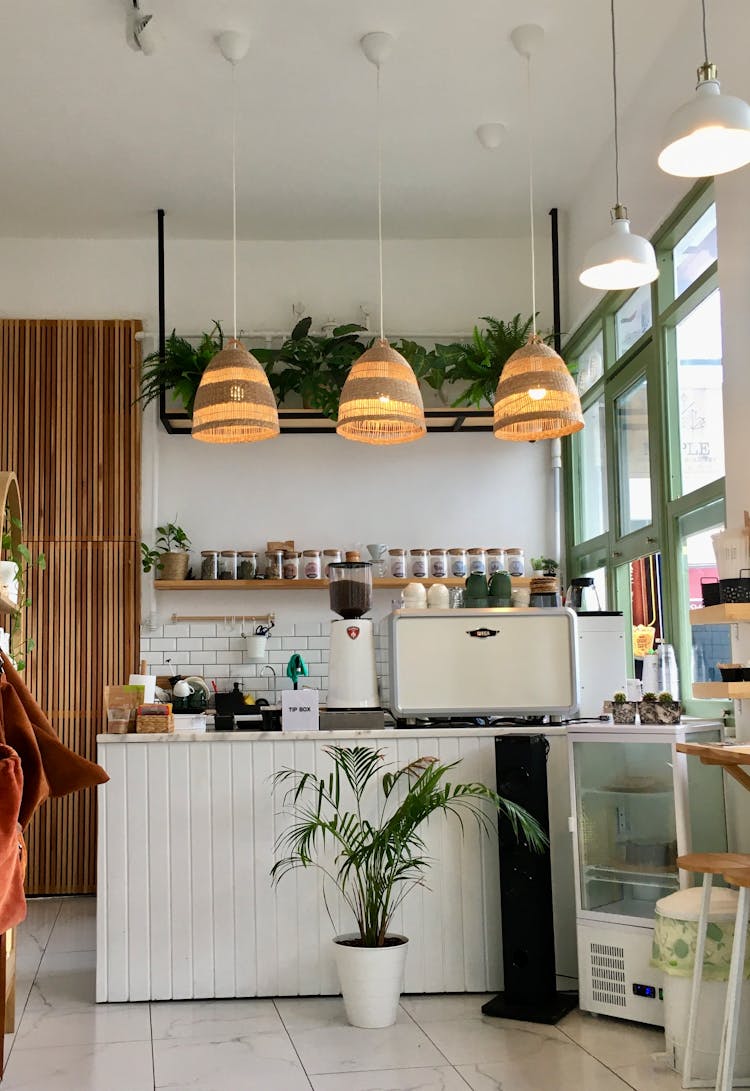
[(633, 319), (590, 363), (695, 251), (631, 422), (592, 460), (711, 643), (699, 378)]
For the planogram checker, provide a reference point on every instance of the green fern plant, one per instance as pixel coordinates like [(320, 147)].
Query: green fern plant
[(479, 363), (378, 860), (181, 368)]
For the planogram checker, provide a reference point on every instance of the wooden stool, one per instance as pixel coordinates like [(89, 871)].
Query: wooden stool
[(725, 1075), (706, 864)]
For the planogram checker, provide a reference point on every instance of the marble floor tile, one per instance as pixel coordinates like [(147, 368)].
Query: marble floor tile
[(65, 979), (33, 933), (425, 1009), (560, 1066), (327, 1043), (394, 1079), (613, 1041), (649, 1075), (258, 1062), (56, 1025), (214, 1020), (478, 1039), (75, 927), (123, 1066)]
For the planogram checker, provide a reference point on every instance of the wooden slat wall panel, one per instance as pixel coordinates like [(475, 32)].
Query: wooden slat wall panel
[(70, 428)]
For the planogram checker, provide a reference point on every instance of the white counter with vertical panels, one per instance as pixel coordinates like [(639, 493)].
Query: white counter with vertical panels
[(186, 909)]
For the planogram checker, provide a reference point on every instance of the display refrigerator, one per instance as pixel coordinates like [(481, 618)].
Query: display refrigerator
[(637, 805)]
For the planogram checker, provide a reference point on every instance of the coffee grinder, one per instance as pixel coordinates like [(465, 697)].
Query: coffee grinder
[(352, 678)]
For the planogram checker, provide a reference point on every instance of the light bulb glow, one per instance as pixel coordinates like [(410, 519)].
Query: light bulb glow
[(384, 399), (708, 135), (619, 260), (537, 393)]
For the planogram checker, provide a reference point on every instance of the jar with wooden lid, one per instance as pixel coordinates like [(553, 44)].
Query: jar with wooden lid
[(290, 566), (311, 567), (457, 560), (439, 563), (248, 565), (209, 564), (331, 556), (228, 564), (495, 561), (274, 564), (515, 561), (418, 563), (478, 562), (397, 563)]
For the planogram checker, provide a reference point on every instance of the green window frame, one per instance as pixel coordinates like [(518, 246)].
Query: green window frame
[(652, 357)]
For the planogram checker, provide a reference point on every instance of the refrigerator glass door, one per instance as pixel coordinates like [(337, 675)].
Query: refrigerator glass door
[(627, 838)]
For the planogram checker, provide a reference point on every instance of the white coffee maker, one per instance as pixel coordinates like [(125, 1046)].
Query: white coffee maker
[(352, 678)]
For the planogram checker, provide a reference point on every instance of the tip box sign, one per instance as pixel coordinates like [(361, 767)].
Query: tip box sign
[(299, 710)]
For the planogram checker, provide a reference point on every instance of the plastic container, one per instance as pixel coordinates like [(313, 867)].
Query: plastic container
[(311, 564), (495, 561), (457, 562), (439, 563), (477, 562), (515, 561), (397, 563), (228, 564), (418, 559), (209, 564)]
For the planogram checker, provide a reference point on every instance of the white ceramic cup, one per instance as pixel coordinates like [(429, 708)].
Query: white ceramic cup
[(182, 689)]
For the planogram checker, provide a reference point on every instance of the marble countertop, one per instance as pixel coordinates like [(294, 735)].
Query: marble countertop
[(326, 736)]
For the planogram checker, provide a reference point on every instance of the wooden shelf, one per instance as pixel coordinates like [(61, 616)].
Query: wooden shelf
[(387, 584), (736, 691), (726, 613)]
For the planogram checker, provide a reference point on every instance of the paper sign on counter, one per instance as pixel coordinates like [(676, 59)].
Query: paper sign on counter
[(299, 710)]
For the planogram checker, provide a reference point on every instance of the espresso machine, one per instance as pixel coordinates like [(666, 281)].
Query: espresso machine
[(352, 678)]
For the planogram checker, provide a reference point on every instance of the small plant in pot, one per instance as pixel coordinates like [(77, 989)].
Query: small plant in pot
[(623, 710), (659, 710), (170, 558), (546, 565), (362, 827)]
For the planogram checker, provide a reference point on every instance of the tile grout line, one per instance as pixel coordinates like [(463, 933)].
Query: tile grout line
[(291, 1041), (427, 1036), (20, 1016), (151, 1040), (594, 1057)]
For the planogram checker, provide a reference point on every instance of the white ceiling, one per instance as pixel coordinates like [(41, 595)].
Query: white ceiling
[(95, 137)]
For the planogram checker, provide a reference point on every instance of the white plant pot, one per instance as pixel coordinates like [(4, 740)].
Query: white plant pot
[(371, 980), (9, 580)]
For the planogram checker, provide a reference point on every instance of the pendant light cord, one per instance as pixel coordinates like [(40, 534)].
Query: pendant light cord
[(379, 128), (614, 104), (705, 32), (234, 200), (530, 151)]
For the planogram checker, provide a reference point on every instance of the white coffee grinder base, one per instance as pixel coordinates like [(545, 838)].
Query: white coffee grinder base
[(352, 678)]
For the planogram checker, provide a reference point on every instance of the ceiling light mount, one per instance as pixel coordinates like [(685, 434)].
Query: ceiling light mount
[(527, 39), (233, 45), (490, 134), (377, 46)]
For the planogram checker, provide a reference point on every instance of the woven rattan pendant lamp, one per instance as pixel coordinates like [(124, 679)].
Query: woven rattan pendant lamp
[(536, 397), (234, 402), (381, 402)]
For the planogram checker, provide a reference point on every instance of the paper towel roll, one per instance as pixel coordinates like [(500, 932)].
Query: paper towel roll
[(148, 681)]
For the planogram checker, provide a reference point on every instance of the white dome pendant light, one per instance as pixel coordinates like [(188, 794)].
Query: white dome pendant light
[(711, 133), (381, 402), (536, 397), (234, 402), (619, 260)]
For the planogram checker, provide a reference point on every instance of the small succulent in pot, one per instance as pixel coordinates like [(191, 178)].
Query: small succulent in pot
[(623, 710), (659, 710), (648, 697)]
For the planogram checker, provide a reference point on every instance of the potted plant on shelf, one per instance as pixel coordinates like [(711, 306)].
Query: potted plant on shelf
[(171, 556), (478, 364), (181, 367), (315, 367), (623, 711), (546, 565), (362, 827), (659, 710)]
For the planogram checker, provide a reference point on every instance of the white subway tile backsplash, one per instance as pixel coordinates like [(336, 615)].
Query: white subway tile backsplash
[(274, 643), (203, 628), (281, 656), (294, 643), (189, 644), (164, 645), (281, 629), (229, 657), (181, 628), (308, 628), (319, 642), (221, 670), (206, 657), (318, 670), (237, 644), (312, 655), (216, 644), (145, 644), (153, 658)]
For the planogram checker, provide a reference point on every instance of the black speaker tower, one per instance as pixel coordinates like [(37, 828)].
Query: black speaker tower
[(530, 990)]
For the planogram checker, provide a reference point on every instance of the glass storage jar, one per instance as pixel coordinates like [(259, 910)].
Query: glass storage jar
[(331, 556), (515, 561), (418, 563), (495, 561), (248, 565), (209, 564), (439, 563), (311, 564), (228, 564), (457, 559), (274, 564), (478, 562), (397, 563), (290, 566)]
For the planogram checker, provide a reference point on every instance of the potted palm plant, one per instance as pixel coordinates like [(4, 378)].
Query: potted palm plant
[(362, 827)]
